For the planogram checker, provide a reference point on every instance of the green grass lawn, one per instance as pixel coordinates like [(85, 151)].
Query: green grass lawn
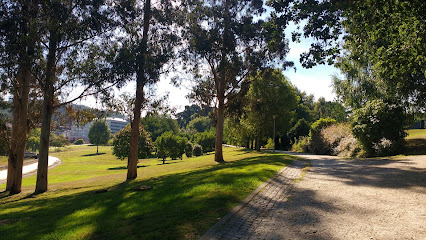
[(416, 142), (187, 198)]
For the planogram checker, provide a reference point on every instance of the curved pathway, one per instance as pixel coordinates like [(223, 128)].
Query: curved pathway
[(336, 199), (30, 169)]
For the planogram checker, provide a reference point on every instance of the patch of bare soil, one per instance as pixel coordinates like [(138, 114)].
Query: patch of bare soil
[(356, 199)]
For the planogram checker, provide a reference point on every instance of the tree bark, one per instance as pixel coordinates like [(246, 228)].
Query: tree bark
[(21, 91), (47, 112), (258, 142), (140, 82), (19, 131), (218, 156), (221, 84)]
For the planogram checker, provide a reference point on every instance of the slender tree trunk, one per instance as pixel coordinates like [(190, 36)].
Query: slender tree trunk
[(221, 84), (97, 149), (19, 131), (258, 142), (140, 82), (218, 157), (47, 112)]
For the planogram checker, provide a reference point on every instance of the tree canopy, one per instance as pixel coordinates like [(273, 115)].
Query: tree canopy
[(99, 133)]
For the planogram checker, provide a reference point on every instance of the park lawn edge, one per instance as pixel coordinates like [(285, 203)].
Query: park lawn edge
[(181, 205)]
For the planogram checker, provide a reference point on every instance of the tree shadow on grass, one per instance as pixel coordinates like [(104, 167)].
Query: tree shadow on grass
[(180, 206), (92, 154), (124, 167), (416, 146)]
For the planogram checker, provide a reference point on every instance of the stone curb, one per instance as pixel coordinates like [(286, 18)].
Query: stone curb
[(209, 235)]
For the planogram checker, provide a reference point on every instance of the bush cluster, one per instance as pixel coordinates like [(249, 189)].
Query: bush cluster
[(79, 141), (380, 127)]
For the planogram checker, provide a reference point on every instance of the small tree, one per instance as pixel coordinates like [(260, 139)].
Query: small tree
[(99, 133), (188, 149), (170, 145), (121, 143), (198, 150), (79, 142)]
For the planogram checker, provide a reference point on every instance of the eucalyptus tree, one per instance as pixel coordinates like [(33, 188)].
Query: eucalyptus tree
[(228, 41), (71, 38), (149, 36), (18, 53)]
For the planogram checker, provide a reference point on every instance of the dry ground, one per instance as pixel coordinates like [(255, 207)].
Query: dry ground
[(356, 199)]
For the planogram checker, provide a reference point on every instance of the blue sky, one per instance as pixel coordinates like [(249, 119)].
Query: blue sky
[(316, 80)]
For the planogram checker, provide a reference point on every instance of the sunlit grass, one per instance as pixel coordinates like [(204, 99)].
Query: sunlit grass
[(416, 133), (188, 196), (416, 142)]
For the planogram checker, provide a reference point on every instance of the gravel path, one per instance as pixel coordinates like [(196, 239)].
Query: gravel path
[(337, 199)]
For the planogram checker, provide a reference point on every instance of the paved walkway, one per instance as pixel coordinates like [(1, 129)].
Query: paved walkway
[(336, 199), (246, 221), (28, 169)]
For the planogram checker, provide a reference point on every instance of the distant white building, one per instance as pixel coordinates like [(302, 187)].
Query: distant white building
[(115, 124)]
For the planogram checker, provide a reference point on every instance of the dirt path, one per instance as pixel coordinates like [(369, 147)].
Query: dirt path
[(349, 199)]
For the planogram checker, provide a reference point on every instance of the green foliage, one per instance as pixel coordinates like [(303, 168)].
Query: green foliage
[(318, 125), (156, 125), (170, 145), (188, 149), (187, 115), (301, 128), (121, 144), (317, 143), (270, 95), (4, 135), (380, 127), (79, 141), (206, 139), (301, 144), (200, 124), (58, 140), (99, 132), (33, 140), (334, 110), (198, 150)]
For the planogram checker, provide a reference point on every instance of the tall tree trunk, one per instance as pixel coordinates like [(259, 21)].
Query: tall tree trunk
[(21, 90), (258, 142), (19, 131), (218, 155), (47, 112), (221, 84), (132, 163)]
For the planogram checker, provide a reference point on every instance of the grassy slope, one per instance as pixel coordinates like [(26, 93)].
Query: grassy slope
[(416, 142), (187, 197)]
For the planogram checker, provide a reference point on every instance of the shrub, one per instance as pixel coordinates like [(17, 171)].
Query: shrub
[(317, 143), (206, 140), (79, 141), (198, 150), (379, 127), (188, 149), (110, 142), (301, 144), (170, 145), (121, 143), (339, 140), (270, 144)]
